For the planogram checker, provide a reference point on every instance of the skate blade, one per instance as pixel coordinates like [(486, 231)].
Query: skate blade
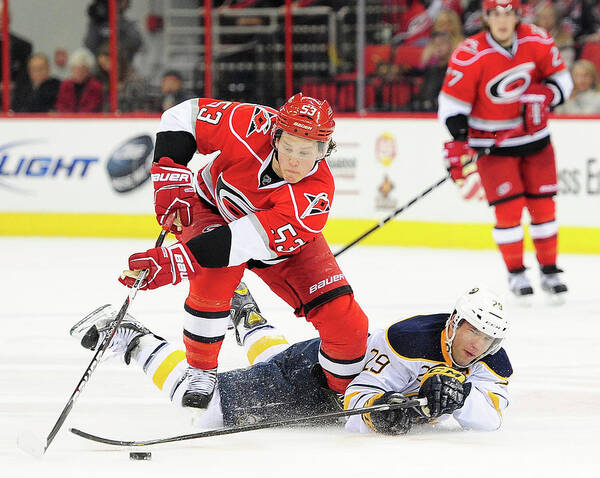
[(31, 444), (556, 299), (524, 301), (81, 327)]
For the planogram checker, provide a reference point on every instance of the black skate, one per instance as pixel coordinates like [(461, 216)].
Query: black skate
[(93, 328), (519, 285), (552, 284), (200, 386), (244, 307)]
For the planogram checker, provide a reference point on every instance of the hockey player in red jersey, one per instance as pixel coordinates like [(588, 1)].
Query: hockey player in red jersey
[(262, 203), (499, 87)]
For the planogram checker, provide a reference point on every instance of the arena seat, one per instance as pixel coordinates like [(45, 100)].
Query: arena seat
[(375, 54), (408, 55)]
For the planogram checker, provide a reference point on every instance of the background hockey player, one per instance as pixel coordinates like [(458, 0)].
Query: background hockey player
[(454, 360), (503, 81), (262, 202)]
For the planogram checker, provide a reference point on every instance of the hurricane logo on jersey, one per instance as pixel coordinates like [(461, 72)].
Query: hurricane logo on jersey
[(508, 86), (261, 121), (231, 202), (318, 204)]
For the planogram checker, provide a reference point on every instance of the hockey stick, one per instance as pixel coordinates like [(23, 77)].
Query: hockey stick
[(36, 446), (480, 152), (255, 426)]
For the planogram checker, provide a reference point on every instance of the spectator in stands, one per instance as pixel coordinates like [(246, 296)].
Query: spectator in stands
[(530, 9), (133, 90), (578, 17), (20, 49), (585, 98), (60, 67), (38, 94), (472, 18), (547, 18), (130, 38), (172, 90), (81, 93), (447, 22), (412, 20), (433, 72)]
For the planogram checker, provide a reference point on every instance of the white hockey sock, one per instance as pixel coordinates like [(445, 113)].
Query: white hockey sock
[(263, 343), (164, 363)]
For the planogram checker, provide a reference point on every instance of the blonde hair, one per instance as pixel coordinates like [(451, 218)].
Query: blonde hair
[(455, 31), (589, 68)]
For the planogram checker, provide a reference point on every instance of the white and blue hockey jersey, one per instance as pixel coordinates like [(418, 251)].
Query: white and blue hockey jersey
[(397, 359)]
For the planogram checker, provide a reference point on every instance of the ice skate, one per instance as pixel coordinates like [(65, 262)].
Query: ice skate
[(93, 328), (200, 386), (552, 284), (245, 314), (519, 285)]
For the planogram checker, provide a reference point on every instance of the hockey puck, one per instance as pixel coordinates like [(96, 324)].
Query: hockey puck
[(140, 455)]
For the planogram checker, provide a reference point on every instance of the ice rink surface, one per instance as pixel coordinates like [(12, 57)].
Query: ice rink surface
[(551, 429)]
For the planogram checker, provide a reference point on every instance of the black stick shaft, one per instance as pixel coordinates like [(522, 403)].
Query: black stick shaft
[(392, 215), (104, 345), (255, 426), (381, 223)]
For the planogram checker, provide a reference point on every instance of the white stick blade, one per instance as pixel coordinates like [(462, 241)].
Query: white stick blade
[(31, 444)]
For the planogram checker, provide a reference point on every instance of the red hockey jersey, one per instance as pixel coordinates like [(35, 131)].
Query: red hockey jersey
[(485, 81), (274, 218)]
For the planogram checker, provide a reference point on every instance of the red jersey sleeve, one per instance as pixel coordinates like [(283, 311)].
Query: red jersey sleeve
[(548, 56)]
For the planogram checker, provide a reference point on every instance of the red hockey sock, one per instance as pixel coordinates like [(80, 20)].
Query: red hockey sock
[(512, 254), (544, 229), (546, 250), (508, 233), (204, 328), (202, 355)]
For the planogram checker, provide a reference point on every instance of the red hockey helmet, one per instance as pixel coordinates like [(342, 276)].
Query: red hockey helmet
[(502, 4), (306, 117)]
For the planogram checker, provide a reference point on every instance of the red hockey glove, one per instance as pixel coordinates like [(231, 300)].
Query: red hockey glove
[(536, 107), (457, 155), (166, 265), (173, 191)]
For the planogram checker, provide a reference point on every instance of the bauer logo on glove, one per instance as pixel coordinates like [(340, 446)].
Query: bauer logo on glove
[(166, 265), (173, 191)]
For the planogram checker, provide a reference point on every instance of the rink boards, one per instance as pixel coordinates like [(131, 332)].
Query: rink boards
[(90, 177)]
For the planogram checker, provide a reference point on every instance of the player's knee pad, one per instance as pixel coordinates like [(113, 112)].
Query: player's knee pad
[(542, 210), (508, 213)]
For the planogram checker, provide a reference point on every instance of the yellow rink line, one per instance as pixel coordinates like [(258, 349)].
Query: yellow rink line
[(581, 240)]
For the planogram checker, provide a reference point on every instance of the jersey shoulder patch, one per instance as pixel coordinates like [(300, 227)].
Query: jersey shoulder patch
[(499, 364), (261, 121), (418, 337), (530, 30), (470, 47), (312, 198)]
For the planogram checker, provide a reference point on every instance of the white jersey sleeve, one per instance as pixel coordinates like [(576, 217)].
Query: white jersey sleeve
[(488, 398)]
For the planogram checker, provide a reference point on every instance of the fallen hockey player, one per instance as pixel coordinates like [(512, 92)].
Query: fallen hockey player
[(453, 360)]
